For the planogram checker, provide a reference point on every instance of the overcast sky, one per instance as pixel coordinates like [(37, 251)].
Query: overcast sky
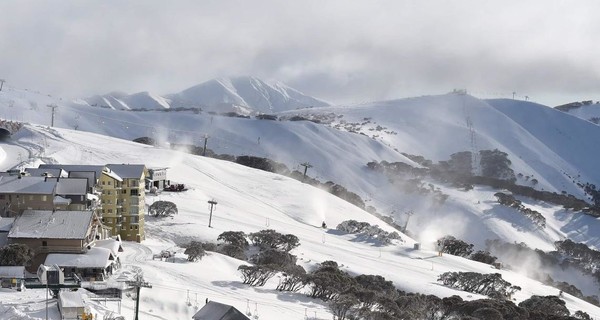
[(341, 51)]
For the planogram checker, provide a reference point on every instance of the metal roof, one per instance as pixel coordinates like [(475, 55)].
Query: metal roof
[(75, 167), (43, 224), (128, 171), (28, 185), (72, 186), (40, 172), (219, 311)]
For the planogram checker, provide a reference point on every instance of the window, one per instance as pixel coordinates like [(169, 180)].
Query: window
[(110, 183), (134, 192), (103, 182), (109, 210), (108, 192), (124, 191), (135, 227), (44, 198), (44, 243), (123, 227), (30, 197), (1, 197), (130, 227)]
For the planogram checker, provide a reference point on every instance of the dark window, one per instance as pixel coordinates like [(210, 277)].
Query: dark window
[(44, 243)]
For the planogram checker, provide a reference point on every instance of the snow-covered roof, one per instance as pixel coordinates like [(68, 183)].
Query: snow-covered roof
[(28, 185), (95, 257), (43, 224), (6, 223), (12, 272), (61, 200), (128, 171), (112, 174), (219, 311), (38, 172), (74, 167), (113, 245), (72, 299)]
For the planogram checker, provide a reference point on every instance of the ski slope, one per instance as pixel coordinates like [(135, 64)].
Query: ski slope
[(248, 200)]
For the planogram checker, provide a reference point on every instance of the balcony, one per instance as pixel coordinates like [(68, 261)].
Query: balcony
[(60, 249)]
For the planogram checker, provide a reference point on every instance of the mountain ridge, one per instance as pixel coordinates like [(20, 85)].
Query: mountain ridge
[(247, 95)]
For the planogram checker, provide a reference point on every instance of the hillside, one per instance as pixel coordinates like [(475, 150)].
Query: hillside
[(434, 127), (248, 200)]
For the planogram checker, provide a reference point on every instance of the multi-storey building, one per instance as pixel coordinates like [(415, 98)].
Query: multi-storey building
[(130, 199), (121, 190), (20, 192)]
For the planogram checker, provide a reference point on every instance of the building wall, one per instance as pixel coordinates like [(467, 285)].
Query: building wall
[(110, 208), (133, 199), (13, 204), (52, 245)]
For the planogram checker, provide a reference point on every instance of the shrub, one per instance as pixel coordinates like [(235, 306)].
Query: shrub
[(456, 247), (272, 239), (274, 257), (236, 238), (256, 275), (293, 278), (483, 256), (233, 251), (540, 307), (15, 254), (162, 209), (195, 251), (490, 284)]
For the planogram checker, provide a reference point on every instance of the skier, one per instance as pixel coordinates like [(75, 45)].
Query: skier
[(324, 225)]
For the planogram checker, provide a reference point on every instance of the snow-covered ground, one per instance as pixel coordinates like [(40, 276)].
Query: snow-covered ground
[(250, 200)]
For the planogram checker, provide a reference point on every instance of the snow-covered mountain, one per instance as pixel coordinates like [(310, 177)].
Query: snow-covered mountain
[(539, 141), (243, 95), (550, 146)]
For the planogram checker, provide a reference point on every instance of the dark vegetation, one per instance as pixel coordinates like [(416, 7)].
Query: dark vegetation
[(510, 201), (457, 247), (490, 284), (15, 254), (162, 209), (568, 254), (372, 297), (368, 231), (495, 172)]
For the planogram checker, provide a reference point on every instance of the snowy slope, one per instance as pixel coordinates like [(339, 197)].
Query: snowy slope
[(588, 111), (434, 127), (248, 200), (543, 142)]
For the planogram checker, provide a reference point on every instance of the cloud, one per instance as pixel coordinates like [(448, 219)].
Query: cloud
[(339, 50)]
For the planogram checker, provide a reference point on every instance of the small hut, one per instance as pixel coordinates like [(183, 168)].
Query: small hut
[(71, 304), (219, 311)]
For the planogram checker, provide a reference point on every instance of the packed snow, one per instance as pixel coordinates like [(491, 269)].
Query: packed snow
[(248, 200)]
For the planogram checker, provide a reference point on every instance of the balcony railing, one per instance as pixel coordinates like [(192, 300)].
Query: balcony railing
[(60, 249)]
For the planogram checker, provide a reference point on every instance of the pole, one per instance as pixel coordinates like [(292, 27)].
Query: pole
[(137, 302), (306, 165), (205, 142), (409, 213), (46, 299), (212, 203), (2, 83), (53, 106)]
